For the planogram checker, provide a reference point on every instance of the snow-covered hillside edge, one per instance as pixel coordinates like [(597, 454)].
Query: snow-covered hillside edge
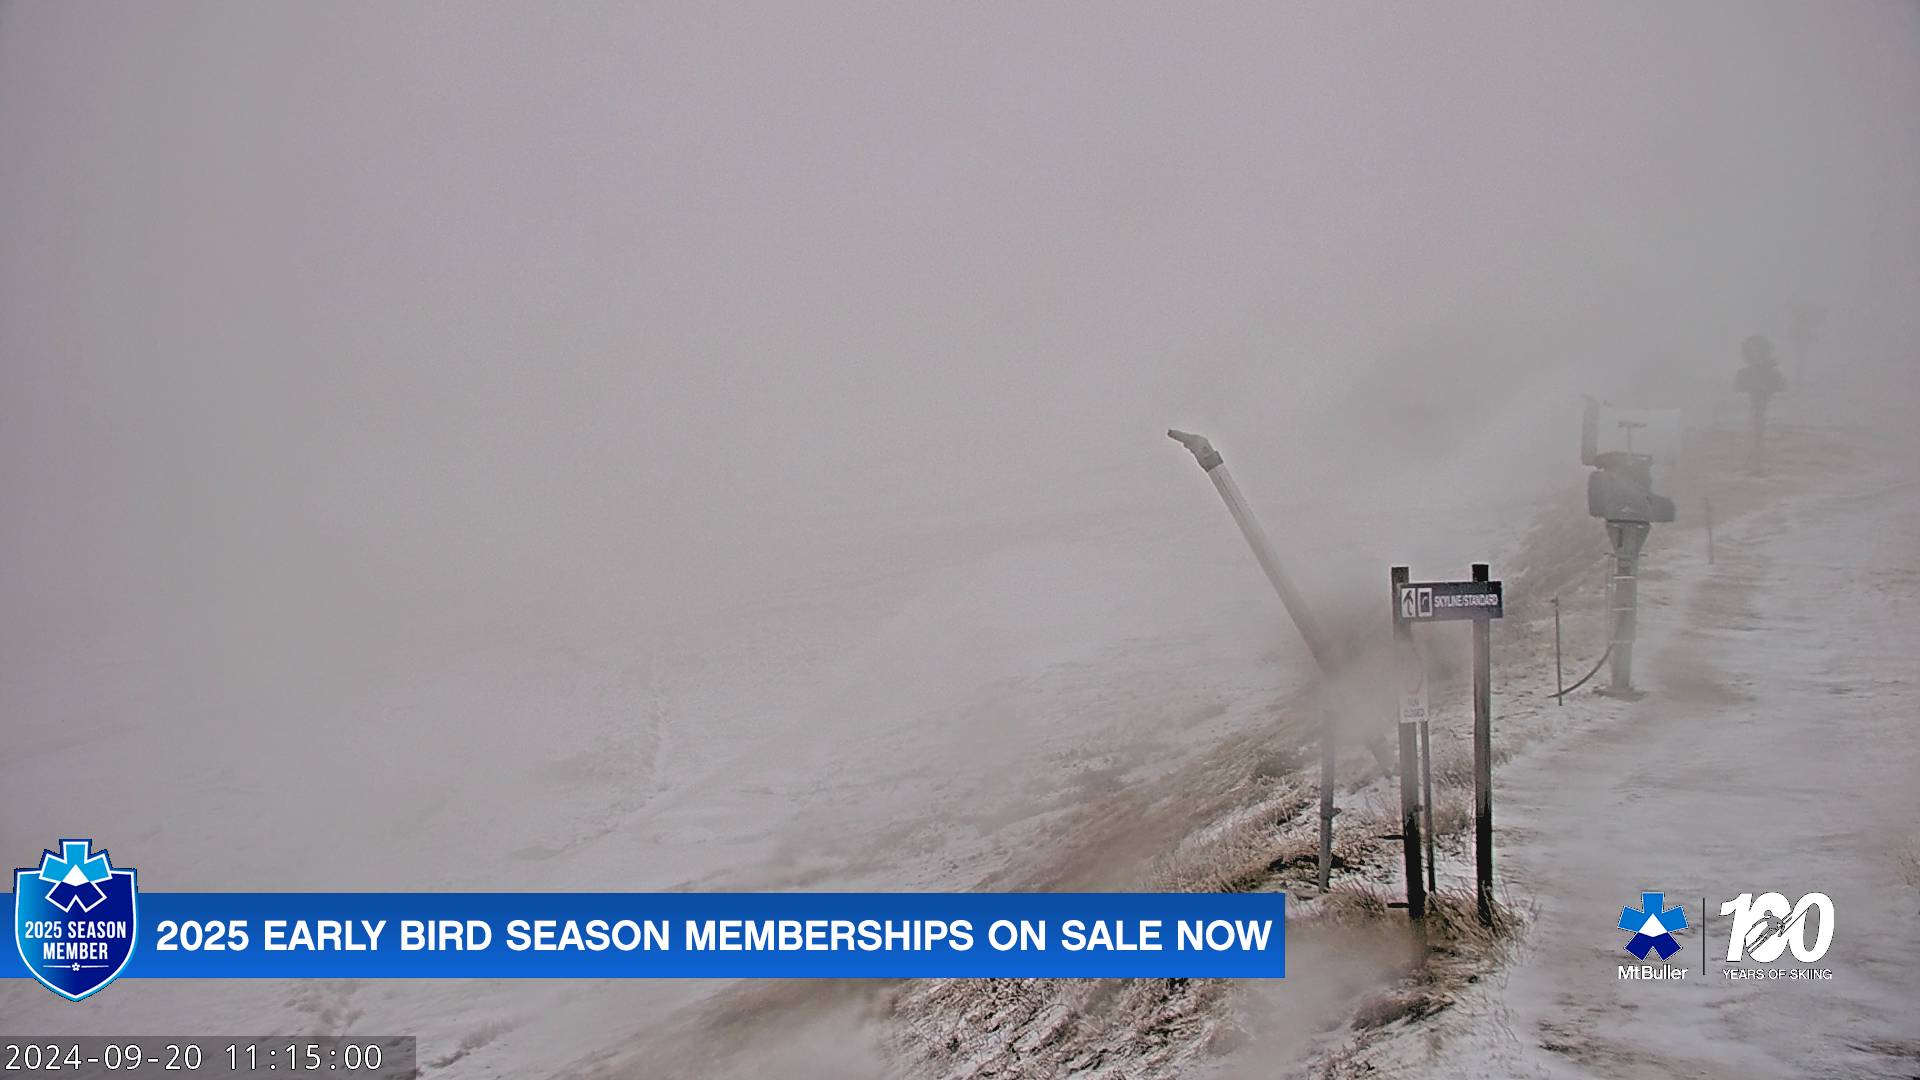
[(1775, 752), (1354, 1002)]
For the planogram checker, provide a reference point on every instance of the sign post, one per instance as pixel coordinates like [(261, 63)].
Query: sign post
[(1479, 600), (1413, 711), (1426, 776), (1483, 758)]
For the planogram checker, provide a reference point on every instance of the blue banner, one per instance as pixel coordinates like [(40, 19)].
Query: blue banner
[(708, 935)]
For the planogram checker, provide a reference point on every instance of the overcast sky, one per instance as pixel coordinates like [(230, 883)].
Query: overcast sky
[(317, 317)]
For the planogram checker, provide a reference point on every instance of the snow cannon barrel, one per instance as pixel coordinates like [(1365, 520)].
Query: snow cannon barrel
[(1216, 469), (1203, 451)]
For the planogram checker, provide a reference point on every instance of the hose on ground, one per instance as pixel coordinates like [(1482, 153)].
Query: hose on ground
[(1598, 664)]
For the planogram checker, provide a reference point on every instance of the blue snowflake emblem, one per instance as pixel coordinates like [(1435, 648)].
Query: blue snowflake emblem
[(1652, 926), (76, 877)]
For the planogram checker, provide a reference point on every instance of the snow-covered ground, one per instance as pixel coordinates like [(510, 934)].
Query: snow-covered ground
[(631, 447), (921, 710), (937, 725), (1776, 751), (935, 719)]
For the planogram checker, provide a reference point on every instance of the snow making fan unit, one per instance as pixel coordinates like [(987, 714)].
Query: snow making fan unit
[(1622, 446)]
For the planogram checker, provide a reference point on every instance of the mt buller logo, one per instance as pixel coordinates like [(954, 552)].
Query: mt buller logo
[(1652, 926), (74, 919)]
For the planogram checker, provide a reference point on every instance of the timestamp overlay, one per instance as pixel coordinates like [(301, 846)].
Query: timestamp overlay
[(363, 1057)]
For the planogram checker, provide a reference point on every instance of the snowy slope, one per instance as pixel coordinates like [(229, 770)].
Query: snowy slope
[(1775, 752), (913, 711)]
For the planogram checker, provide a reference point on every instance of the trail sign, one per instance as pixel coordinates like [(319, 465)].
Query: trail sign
[(1439, 601), (1480, 602)]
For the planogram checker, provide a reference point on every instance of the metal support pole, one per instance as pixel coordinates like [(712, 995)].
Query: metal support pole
[(1328, 754), (1559, 680), (1215, 467), (1297, 609), (1409, 779), (1483, 760), (1628, 538)]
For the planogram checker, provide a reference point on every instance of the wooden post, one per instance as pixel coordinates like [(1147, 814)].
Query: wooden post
[(1559, 679), (1409, 777), (1327, 762), (1483, 760), (1426, 795)]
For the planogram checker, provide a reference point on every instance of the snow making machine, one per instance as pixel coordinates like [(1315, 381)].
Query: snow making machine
[(1621, 446)]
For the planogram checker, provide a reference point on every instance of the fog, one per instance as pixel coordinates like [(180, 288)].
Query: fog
[(339, 342), (339, 320)]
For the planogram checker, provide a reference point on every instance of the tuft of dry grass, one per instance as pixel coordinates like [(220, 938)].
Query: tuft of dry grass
[(1279, 764), (1349, 903), (1232, 860), (1452, 814), (1299, 854), (1454, 768), (1243, 856), (1453, 923), (1453, 918)]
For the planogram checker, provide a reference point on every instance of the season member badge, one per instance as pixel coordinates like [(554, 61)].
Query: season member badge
[(74, 919)]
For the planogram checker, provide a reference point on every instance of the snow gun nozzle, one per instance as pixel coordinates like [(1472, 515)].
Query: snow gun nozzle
[(1203, 451)]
